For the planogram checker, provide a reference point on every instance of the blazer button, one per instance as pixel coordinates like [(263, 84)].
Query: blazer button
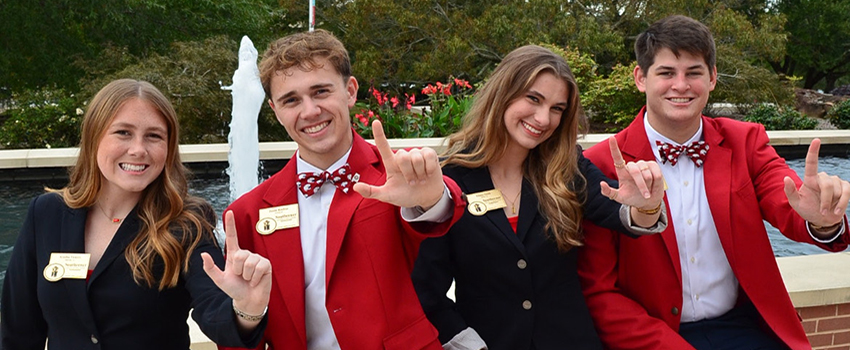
[(675, 311), (526, 305), (521, 264), (93, 339)]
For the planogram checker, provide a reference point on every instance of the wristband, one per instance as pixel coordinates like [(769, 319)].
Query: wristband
[(247, 317)]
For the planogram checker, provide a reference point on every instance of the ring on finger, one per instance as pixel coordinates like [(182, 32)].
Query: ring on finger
[(621, 164), (613, 195)]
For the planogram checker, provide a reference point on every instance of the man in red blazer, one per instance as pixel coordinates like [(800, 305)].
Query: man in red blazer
[(341, 255), (710, 280)]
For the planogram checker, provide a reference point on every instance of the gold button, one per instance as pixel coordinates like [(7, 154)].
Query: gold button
[(521, 264), (526, 305)]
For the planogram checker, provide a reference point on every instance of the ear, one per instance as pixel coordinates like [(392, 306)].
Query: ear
[(271, 104), (713, 79), (640, 78), (351, 86)]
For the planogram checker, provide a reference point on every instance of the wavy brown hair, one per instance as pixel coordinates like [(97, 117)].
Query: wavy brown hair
[(552, 166), (172, 221), (302, 50)]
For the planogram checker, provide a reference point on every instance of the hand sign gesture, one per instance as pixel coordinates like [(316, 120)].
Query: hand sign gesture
[(641, 182), (822, 199), (247, 277), (413, 177)]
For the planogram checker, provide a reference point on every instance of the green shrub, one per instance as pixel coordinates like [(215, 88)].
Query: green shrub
[(839, 115), (779, 118), (613, 101), (42, 118)]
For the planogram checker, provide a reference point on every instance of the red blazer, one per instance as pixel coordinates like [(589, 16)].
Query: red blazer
[(370, 255), (633, 286)]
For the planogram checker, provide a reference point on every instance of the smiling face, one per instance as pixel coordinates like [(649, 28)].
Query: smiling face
[(677, 90), (531, 118), (313, 107), (133, 149)]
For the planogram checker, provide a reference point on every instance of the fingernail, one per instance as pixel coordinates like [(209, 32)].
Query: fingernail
[(646, 195)]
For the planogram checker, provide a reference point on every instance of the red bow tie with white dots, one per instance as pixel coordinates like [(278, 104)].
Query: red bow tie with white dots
[(695, 151), (342, 178)]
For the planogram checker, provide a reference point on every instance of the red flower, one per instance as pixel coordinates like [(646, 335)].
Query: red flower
[(362, 119), (447, 90), (394, 100), (463, 83), (411, 99), (429, 90)]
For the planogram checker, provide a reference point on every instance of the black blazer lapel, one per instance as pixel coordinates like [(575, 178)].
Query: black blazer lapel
[(478, 180), (125, 234), (527, 210), (72, 237)]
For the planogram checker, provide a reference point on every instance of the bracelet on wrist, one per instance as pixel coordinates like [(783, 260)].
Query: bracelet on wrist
[(248, 317), (652, 211), (824, 228)]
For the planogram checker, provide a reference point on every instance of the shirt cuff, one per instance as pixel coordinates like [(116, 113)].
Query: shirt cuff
[(626, 219), (829, 240), (467, 339), (440, 212)]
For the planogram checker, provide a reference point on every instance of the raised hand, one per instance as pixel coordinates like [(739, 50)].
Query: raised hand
[(822, 199), (247, 277), (414, 177), (641, 182)]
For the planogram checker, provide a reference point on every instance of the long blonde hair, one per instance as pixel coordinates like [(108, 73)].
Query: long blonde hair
[(551, 167), (165, 205)]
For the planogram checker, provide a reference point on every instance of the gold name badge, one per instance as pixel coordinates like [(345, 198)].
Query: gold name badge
[(277, 218), (67, 265), (482, 202)]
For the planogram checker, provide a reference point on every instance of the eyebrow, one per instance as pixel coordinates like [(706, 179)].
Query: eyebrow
[(696, 66), (539, 95), (133, 126), (312, 88)]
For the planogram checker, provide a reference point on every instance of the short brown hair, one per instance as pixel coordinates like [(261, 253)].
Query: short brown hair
[(677, 33), (301, 50)]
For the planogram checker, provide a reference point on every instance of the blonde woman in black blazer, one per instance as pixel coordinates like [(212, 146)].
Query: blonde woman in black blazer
[(511, 255), (116, 259)]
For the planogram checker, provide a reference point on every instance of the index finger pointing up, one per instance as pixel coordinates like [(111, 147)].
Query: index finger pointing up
[(615, 151), (812, 159), (381, 140), (231, 240)]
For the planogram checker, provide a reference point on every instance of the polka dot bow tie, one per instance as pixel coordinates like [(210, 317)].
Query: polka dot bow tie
[(342, 178), (695, 151)]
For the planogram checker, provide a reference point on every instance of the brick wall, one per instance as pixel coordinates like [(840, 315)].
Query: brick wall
[(828, 326)]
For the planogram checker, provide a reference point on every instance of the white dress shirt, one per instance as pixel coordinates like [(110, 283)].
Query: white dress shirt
[(314, 233)]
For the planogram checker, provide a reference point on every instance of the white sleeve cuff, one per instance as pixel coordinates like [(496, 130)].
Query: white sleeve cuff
[(626, 219), (829, 240), (440, 212), (467, 339)]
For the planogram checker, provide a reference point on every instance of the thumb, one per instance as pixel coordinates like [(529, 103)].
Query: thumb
[(605, 189), (365, 190), (790, 190), (211, 269)]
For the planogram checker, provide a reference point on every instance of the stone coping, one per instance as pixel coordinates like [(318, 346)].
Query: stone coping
[(65, 157), (811, 280)]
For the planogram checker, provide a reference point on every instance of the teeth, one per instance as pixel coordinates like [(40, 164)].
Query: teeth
[(130, 167), (530, 128), (316, 128), (680, 100)]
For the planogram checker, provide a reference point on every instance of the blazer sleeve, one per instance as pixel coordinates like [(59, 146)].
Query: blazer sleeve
[(622, 322), (599, 209), (768, 171), (432, 277), (21, 323), (213, 309)]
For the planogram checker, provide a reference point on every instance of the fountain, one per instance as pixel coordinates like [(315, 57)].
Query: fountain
[(248, 96)]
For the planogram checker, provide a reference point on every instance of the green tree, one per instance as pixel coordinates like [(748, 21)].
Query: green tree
[(818, 47), (57, 42)]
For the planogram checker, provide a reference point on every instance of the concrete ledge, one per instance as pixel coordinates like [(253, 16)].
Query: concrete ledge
[(817, 280), (64, 157)]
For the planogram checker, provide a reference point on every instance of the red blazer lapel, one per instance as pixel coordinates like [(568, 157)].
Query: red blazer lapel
[(364, 160), (717, 168), (634, 145), (285, 246)]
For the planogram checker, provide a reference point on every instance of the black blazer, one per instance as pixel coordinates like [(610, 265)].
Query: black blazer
[(514, 289), (110, 311)]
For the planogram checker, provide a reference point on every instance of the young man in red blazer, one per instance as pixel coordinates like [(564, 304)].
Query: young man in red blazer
[(710, 280), (341, 255)]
